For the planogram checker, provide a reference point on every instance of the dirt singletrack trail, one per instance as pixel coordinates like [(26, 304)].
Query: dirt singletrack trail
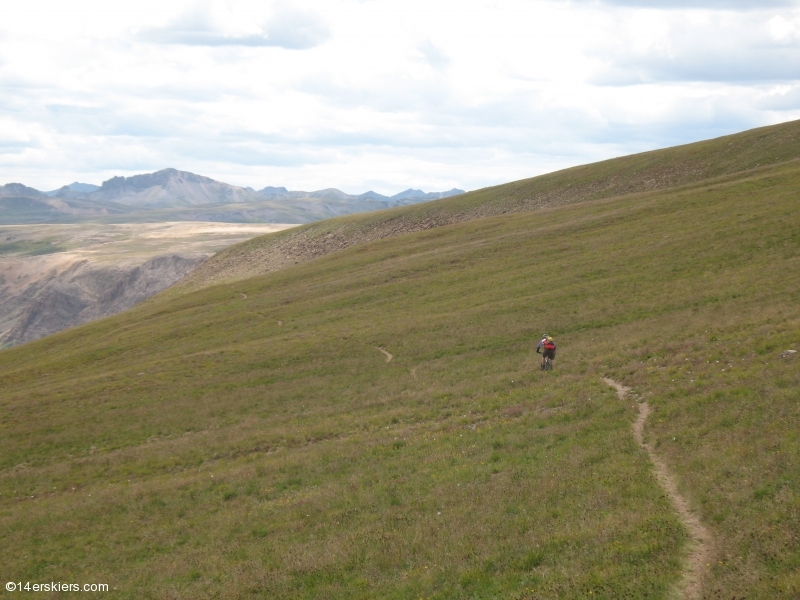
[(388, 355), (691, 586)]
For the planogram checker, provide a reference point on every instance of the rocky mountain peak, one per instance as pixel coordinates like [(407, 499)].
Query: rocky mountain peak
[(139, 183), (18, 189)]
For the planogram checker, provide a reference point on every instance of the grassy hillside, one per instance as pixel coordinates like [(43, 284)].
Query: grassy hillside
[(250, 440), (657, 170)]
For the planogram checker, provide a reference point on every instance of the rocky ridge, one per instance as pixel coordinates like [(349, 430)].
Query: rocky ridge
[(173, 195)]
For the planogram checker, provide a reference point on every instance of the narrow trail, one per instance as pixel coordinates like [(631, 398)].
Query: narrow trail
[(385, 353), (700, 551)]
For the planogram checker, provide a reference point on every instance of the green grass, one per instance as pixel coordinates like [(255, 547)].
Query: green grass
[(711, 161), (204, 444)]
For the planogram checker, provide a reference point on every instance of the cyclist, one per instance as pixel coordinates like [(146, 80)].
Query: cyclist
[(548, 345)]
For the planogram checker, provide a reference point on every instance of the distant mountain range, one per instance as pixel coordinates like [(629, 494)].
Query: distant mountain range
[(80, 188), (170, 194), (334, 194)]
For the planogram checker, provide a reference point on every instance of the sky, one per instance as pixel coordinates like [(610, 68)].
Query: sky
[(379, 94)]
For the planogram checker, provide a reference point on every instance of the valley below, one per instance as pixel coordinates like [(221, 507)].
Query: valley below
[(56, 276), (81, 252)]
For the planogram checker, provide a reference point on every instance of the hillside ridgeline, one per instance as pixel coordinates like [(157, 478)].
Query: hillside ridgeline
[(649, 171)]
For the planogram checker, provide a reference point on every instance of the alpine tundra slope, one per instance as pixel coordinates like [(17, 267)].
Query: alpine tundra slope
[(243, 436)]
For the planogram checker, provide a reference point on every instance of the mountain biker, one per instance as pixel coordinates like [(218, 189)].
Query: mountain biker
[(547, 344)]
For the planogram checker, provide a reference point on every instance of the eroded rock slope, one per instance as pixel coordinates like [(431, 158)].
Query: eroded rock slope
[(82, 292)]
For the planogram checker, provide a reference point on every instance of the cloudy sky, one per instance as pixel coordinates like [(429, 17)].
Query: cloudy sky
[(379, 94)]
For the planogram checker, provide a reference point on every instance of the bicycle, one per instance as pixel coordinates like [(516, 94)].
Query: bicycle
[(547, 364)]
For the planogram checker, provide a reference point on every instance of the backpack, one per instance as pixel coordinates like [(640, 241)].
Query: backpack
[(549, 344)]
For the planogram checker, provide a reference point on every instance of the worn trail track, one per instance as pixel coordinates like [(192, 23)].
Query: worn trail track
[(691, 586), (386, 353)]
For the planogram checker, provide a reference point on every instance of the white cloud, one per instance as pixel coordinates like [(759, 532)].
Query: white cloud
[(296, 29), (692, 47), (784, 29), (382, 95), (783, 98), (435, 56), (287, 28), (727, 5)]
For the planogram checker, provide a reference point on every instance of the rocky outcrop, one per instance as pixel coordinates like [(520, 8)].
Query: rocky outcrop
[(51, 311), (171, 188), (84, 292)]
